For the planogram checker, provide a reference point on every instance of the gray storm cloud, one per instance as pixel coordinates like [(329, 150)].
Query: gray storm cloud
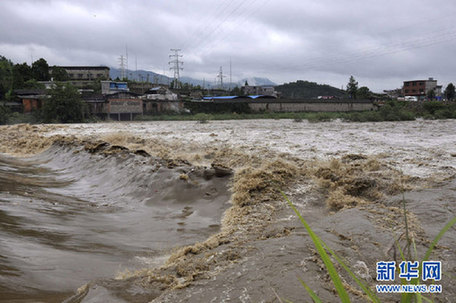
[(380, 43)]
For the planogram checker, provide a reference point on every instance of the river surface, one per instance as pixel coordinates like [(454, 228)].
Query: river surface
[(68, 217)]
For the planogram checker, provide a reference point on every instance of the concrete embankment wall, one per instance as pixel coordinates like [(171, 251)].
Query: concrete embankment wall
[(311, 106)]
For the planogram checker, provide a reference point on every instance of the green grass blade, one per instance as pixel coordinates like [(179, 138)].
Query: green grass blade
[(419, 298), (426, 299), (400, 250), (363, 286), (414, 250), (406, 297), (343, 295), (311, 293), (438, 237), (407, 236)]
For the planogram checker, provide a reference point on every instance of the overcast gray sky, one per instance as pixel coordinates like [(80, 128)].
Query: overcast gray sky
[(380, 43)]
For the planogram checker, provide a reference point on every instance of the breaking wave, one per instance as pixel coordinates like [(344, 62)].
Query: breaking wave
[(85, 210), (120, 203)]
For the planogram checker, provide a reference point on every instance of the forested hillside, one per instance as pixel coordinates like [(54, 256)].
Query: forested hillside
[(308, 90)]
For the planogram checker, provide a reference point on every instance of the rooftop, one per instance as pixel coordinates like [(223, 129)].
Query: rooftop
[(85, 67)]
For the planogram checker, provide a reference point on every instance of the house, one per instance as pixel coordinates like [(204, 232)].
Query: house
[(123, 106), (160, 99), (31, 99), (421, 88), (393, 93), (86, 73), (140, 87), (266, 90), (96, 104), (112, 87), (160, 93), (83, 76)]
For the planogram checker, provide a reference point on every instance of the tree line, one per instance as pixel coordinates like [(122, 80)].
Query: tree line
[(18, 76), (63, 104)]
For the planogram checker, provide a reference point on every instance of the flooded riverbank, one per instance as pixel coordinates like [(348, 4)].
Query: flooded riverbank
[(94, 193)]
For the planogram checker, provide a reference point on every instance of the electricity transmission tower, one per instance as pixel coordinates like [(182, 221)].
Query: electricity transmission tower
[(122, 62), (221, 76), (176, 66)]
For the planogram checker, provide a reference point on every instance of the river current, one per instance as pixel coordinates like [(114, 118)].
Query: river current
[(68, 216)]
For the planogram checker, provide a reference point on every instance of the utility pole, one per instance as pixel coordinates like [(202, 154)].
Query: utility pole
[(122, 67), (175, 65), (230, 76), (221, 76), (136, 66)]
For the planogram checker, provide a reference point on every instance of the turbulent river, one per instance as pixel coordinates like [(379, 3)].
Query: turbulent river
[(67, 217), (73, 212)]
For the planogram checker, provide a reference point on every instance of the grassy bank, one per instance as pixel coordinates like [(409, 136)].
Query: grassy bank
[(390, 111)]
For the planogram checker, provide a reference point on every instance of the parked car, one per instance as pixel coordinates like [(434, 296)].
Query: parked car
[(411, 98)]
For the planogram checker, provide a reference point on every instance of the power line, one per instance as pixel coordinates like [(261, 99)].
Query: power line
[(201, 39), (320, 62), (238, 20), (202, 26)]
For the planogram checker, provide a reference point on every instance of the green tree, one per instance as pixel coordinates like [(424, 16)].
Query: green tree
[(352, 87), (308, 90), (64, 105), (40, 70), (59, 74), (4, 114), (6, 76), (431, 94), (364, 92), (96, 86), (32, 83), (236, 91), (450, 92), (21, 74)]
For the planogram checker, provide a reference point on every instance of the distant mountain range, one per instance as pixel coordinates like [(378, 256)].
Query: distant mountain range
[(143, 75), (293, 90)]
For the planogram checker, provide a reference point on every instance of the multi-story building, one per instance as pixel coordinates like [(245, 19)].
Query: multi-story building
[(421, 88), (259, 90), (83, 76)]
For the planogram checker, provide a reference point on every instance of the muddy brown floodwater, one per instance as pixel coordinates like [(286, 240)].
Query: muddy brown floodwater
[(68, 216), (190, 212)]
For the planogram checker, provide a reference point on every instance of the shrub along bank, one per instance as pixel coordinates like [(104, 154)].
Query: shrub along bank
[(390, 111)]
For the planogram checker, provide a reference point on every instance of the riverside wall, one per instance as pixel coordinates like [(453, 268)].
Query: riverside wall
[(284, 105)]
